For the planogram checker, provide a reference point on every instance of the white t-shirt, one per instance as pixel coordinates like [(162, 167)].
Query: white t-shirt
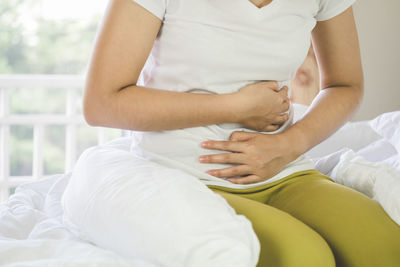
[(220, 46)]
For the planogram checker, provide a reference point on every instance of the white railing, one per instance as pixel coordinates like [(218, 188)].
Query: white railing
[(71, 119)]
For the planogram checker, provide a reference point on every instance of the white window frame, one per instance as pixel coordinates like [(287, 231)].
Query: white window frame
[(71, 120)]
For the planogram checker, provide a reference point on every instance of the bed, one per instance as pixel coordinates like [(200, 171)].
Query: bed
[(363, 155)]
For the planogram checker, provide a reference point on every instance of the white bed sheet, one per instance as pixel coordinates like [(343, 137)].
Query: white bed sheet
[(32, 232)]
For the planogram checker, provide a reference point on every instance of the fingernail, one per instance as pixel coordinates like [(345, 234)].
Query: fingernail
[(204, 144), (202, 159)]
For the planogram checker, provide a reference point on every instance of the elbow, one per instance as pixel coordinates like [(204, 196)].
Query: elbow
[(356, 89), (89, 114), (359, 90), (358, 93), (361, 96), (91, 108)]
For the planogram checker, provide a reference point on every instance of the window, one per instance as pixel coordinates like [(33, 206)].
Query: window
[(45, 46)]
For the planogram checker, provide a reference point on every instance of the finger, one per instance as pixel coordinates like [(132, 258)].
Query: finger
[(284, 107), (241, 136), (284, 91), (224, 145), (231, 171), (286, 99), (250, 179), (238, 158), (280, 119)]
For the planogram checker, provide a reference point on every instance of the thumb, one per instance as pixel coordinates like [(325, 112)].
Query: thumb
[(241, 136), (284, 91)]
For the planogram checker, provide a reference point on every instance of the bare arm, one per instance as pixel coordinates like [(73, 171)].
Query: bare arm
[(113, 99), (122, 47), (338, 55)]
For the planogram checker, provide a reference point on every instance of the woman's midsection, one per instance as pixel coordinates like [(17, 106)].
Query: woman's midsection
[(183, 146)]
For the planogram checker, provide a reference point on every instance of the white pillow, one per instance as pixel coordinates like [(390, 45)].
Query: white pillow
[(352, 135), (388, 126), (142, 210)]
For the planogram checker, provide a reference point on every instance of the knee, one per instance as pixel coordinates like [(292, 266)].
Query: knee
[(295, 247), (383, 248), (382, 251), (310, 252), (390, 257)]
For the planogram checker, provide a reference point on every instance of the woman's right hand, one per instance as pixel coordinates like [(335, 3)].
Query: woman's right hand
[(260, 106)]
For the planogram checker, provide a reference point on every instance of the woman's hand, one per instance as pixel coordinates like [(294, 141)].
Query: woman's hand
[(258, 156), (260, 106)]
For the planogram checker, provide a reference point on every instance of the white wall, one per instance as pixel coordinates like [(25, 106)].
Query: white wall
[(378, 24)]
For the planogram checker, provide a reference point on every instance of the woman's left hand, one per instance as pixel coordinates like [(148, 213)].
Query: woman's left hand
[(258, 156)]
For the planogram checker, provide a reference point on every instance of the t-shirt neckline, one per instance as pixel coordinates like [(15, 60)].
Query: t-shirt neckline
[(260, 9)]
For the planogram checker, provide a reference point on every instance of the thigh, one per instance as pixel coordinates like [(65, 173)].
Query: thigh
[(285, 241), (356, 227)]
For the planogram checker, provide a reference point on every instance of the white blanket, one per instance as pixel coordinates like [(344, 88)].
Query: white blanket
[(34, 230)]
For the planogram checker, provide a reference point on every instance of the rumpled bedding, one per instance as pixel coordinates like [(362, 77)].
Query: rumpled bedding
[(32, 233), (116, 218)]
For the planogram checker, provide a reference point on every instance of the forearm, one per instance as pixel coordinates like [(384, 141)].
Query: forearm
[(332, 108), (146, 109)]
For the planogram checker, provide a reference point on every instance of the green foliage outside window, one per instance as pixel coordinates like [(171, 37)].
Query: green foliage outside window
[(60, 46), (46, 46)]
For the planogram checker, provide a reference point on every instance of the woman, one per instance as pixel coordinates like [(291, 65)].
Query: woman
[(184, 73)]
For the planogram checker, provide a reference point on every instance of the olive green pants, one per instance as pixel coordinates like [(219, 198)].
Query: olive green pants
[(306, 219)]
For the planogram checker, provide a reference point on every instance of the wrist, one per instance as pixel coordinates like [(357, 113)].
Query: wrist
[(232, 108), (297, 140)]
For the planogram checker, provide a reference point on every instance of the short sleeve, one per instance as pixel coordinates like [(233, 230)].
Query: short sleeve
[(156, 7), (331, 8)]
